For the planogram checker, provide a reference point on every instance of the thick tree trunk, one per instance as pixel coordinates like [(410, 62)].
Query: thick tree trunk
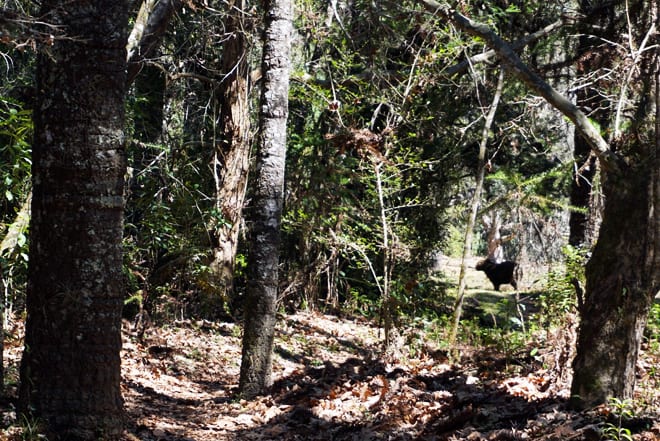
[(70, 372), (622, 274), (619, 293), (232, 155), (261, 295)]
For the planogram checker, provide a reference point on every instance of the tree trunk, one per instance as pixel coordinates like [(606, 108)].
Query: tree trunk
[(70, 372), (388, 310), (261, 295), (619, 293), (622, 274), (150, 26), (582, 224), (232, 155), (474, 208), (494, 240)]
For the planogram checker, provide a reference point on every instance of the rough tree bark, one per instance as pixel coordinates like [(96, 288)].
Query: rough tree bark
[(622, 275), (70, 371), (623, 272), (232, 153), (582, 228), (619, 291), (261, 294)]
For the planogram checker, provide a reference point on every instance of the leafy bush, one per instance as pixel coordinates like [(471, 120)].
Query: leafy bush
[(652, 331), (559, 297), (15, 164)]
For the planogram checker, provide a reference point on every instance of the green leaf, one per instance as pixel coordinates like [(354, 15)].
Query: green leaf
[(596, 126)]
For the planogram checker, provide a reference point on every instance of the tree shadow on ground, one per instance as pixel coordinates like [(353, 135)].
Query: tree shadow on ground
[(457, 405), (495, 309), (454, 401), (361, 396)]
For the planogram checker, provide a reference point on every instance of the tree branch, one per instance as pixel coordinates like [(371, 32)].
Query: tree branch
[(155, 27), (460, 68), (609, 160)]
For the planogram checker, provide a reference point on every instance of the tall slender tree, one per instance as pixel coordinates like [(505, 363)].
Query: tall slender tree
[(70, 372), (261, 295), (474, 206), (232, 151)]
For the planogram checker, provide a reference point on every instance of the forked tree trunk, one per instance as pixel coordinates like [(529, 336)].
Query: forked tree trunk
[(261, 294), (232, 155), (70, 372)]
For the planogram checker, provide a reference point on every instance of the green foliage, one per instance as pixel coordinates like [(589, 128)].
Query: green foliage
[(455, 241), (539, 192), (15, 137), (136, 298), (15, 164), (652, 330), (376, 73), (333, 224), (32, 429), (621, 410), (559, 297), (509, 341), (166, 245), (173, 114)]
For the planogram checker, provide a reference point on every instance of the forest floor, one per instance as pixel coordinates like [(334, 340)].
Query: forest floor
[(331, 382)]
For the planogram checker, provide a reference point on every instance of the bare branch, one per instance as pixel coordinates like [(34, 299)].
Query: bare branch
[(21, 30), (155, 27), (635, 55), (517, 45)]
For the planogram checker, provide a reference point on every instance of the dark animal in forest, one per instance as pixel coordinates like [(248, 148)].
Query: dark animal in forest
[(499, 273)]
